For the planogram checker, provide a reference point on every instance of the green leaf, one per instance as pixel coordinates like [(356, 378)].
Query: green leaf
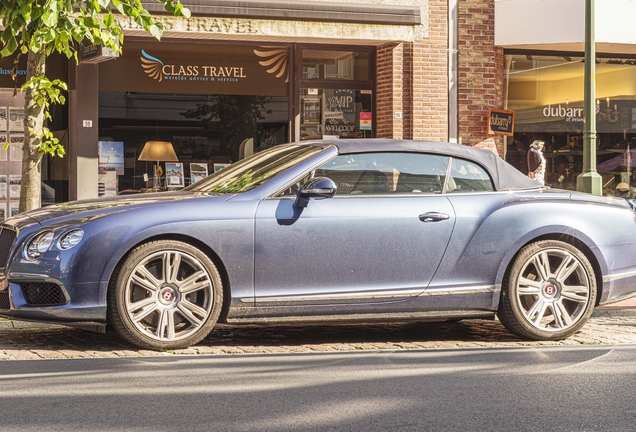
[(9, 48), (155, 31), (50, 14)]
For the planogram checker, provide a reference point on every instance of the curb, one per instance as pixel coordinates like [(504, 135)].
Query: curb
[(10, 324)]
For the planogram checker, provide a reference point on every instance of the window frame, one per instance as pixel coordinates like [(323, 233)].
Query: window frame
[(312, 171)]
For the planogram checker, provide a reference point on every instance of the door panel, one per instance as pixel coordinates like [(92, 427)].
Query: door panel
[(349, 249)]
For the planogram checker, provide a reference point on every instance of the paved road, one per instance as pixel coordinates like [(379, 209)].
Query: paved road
[(496, 389), (22, 341)]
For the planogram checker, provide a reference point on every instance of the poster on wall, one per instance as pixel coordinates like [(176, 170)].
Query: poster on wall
[(4, 152), (14, 186), (16, 119), (174, 175), (220, 166), (198, 171), (111, 156), (3, 211), (107, 183), (3, 119), (3, 186), (15, 147), (366, 119), (13, 208)]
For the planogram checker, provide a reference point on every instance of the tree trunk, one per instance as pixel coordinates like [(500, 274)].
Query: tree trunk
[(30, 188)]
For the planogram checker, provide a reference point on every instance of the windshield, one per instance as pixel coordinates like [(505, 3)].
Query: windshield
[(255, 170)]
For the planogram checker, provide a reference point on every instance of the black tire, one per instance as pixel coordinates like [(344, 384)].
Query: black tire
[(158, 306), (549, 292)]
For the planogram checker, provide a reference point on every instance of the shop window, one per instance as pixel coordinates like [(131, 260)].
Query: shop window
[(335, 65), (336, 113), (546, 93)]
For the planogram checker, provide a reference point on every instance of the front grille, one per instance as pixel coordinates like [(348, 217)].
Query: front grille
[(6, 240), (4, 301), (43, 294)]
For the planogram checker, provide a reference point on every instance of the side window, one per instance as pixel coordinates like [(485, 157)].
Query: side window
[(386, 173), (466, 176)]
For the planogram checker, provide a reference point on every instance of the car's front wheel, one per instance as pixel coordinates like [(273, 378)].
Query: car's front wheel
[(549, 292), (166, 295)]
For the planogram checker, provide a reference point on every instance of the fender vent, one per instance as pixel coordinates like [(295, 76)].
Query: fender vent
[(43, 294)]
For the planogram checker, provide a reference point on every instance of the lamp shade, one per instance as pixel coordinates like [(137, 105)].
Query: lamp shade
[(158, 151)]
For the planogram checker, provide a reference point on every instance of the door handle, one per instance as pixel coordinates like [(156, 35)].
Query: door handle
[(433, 217)]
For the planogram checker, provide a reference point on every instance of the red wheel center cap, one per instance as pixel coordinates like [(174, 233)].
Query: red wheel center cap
[(550, 290), (167, 294)]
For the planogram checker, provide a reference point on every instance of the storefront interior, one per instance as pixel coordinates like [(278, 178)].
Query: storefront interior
[(546, 94)]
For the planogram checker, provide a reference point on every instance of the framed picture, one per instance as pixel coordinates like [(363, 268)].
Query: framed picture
[(198, 171), (311, 111), (174, 175)]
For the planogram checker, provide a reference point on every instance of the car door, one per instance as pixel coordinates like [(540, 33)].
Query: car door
[(380, 238)]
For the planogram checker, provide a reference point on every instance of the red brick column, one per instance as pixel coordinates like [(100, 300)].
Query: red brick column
[(430, 77), (390, 90), (481, 70), (413, 78)]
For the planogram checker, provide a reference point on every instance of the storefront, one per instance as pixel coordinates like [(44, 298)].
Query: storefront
[(218, 102), (546, 94)]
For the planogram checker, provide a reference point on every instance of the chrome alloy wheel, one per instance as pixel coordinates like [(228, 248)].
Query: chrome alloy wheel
[(553, 289), (169, 295)]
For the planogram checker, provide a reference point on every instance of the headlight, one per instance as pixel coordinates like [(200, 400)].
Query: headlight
[(38, 245), (70, 239)]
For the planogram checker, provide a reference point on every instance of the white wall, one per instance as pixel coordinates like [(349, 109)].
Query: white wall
[(560, 25)]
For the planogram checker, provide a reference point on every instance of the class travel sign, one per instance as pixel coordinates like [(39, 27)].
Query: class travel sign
[(501, 122), (198, 69)]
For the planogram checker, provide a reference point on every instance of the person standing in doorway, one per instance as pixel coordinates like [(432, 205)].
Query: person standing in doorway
[(536, 162)]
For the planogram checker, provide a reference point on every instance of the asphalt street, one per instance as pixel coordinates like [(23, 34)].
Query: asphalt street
[(502, 389)]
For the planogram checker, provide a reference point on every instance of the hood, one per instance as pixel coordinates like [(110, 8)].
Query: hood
[(87, 210)]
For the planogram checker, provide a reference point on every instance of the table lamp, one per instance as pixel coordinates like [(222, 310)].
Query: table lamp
[(156, 151)]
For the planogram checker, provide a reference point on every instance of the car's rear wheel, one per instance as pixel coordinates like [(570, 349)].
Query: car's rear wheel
[(549, 292), (166, 295)]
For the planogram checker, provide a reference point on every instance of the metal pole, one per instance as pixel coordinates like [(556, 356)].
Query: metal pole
[(589, 180)]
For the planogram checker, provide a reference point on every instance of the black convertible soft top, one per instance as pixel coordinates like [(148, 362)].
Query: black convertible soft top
[(504, 175)]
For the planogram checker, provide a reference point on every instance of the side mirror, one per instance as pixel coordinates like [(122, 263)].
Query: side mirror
[(317, 188)]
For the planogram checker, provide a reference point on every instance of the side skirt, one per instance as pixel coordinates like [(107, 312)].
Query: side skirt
[(436, 316)]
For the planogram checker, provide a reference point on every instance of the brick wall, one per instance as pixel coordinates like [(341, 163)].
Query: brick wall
[(480, 70), (413, 78), (430, 77)]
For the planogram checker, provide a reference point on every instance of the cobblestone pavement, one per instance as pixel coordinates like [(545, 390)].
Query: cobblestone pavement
[(22, 341)]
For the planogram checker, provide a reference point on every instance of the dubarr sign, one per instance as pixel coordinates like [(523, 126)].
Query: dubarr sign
[(501, 122)]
